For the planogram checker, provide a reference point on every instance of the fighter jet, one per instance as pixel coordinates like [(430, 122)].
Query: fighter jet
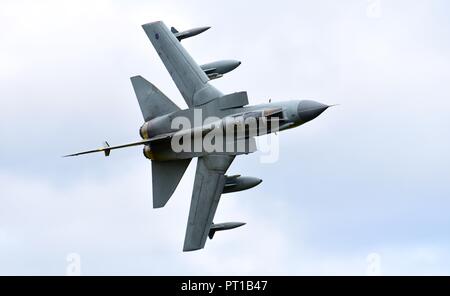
[(215, 128)]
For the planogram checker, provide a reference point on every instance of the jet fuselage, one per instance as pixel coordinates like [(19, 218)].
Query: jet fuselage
[(197, 122)]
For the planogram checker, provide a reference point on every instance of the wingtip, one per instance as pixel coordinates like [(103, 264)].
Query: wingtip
[(135, 77), (151, 23), (190, 249)]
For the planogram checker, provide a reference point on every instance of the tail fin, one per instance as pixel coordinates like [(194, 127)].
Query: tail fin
[(165, 178), (152, 101)]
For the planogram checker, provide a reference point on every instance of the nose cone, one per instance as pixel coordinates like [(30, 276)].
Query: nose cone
[(308, 110)]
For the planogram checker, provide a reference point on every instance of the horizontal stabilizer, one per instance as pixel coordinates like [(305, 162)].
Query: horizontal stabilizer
[(152, 101), (165, 178)]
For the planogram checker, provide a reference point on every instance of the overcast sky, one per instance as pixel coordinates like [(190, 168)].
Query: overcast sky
[(371, 176)]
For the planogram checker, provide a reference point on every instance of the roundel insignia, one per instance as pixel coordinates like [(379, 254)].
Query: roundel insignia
[(157, 36)]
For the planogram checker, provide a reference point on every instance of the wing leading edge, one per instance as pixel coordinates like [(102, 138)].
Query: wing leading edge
[(189, 78)]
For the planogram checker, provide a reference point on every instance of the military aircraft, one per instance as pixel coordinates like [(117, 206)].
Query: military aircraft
[(209, 112)]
